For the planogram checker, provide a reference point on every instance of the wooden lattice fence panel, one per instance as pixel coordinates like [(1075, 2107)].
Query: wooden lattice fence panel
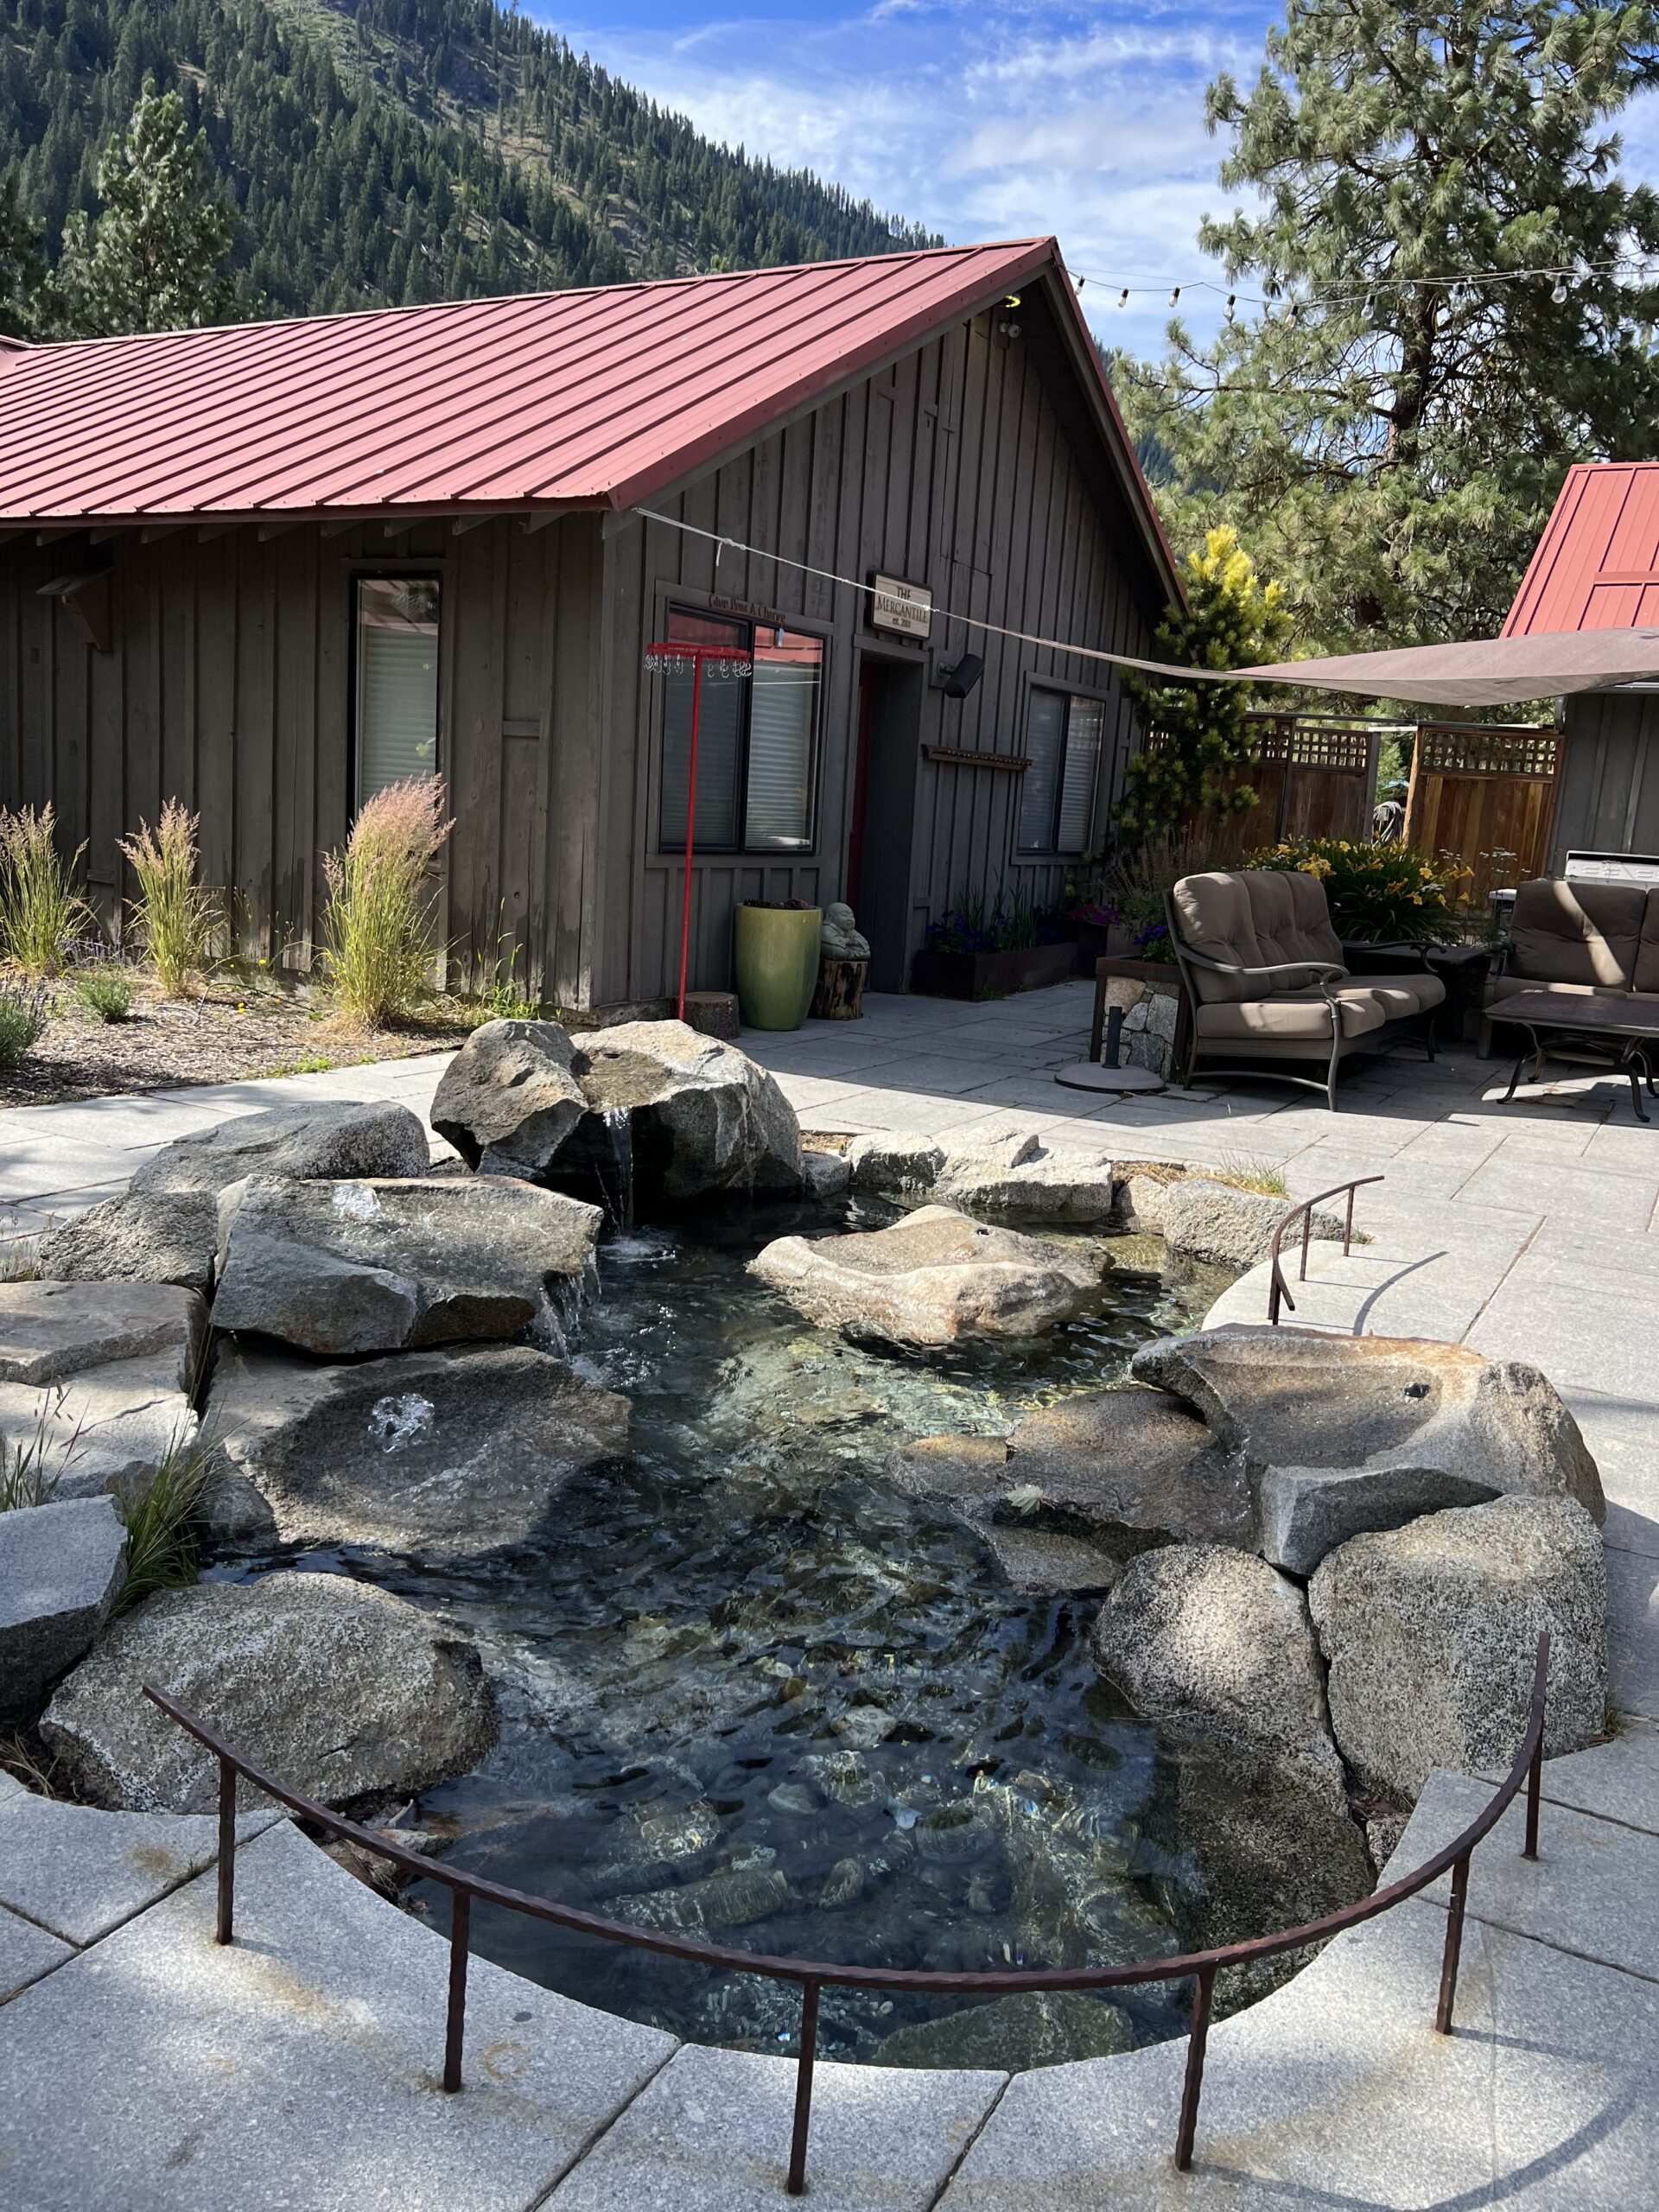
[(1311, 779), (1483, 799)]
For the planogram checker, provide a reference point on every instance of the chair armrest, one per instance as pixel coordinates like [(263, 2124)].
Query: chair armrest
[(1321, 971)]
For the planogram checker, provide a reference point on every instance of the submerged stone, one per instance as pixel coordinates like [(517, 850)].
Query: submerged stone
[(1032, 2028)]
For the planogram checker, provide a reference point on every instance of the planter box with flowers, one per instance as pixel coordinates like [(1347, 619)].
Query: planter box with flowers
[(971, 953)]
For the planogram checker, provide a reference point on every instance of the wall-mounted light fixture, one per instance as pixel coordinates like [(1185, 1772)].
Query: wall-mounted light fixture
[(957, 681)]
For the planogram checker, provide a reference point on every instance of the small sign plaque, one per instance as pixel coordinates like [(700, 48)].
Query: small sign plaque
[(905, 609)]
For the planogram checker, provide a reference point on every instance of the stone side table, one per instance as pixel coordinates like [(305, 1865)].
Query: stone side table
[(1156, 1016)]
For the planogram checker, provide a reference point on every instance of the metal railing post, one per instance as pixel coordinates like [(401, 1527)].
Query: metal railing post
[(1192, 2087), (225, 1930), (1535, 1768), (797, 2183), (461, 1924), (1453, 1946)]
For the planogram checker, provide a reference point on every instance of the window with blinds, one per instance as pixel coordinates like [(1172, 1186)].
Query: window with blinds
[(756, 741), (396, 724), (1064, 736)]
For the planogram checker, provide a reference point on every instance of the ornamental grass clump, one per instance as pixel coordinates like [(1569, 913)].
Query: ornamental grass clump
[(25, 1010), (1376, 893), (379, 923), (42, 917), (178, 920)]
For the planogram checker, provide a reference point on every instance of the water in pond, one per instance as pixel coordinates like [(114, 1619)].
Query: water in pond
[(749, 1688)]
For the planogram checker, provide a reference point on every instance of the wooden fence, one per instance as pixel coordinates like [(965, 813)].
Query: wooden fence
[(1483, 796), (1313, 777)]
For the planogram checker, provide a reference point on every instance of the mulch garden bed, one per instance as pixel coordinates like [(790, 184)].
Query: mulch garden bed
[(221, 1038)]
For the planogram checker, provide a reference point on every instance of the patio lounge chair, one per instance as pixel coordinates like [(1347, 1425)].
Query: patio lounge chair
[(1575, 941), (1264, 972)]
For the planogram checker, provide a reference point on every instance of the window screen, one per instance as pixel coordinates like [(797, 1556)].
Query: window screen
[(1057, 805), (397, 720), (757, 742)]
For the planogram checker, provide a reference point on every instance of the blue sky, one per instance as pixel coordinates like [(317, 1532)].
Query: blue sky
[(983, 119)]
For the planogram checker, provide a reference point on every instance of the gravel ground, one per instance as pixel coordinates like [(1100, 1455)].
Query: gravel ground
[(219, 1038)]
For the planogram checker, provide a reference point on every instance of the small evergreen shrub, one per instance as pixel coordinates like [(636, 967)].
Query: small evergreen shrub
[(105, 992), (380, 923), (25, 1010), (178, 920)]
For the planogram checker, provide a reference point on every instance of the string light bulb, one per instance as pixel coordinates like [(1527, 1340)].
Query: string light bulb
[(1558, 290), (1232, 303), (1174, 293), (1123, 297)]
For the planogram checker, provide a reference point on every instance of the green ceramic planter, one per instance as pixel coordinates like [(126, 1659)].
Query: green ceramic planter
[(777, 960)]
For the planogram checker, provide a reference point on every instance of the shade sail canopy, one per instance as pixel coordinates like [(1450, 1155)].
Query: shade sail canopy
[(1481, 671)]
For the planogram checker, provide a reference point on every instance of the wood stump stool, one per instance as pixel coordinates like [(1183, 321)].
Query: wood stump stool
[(712, 1013), (840, 994)]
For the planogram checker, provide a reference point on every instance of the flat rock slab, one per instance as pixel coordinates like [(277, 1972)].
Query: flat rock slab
[(26, 1953), (1012, 1178), (52, 1331), (931, 1279), (61, 1568), (711, 2133), (374, 1138), (337, 1688), (80, 1871), (1430, 1634), (382, 1264), (1335, 2091), (168, 1237), (459, 1450), (1341, 1434), (298, 2068), (105, 1429)]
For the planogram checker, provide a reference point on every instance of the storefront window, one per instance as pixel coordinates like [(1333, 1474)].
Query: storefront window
[(756, 741), (1057, 805)]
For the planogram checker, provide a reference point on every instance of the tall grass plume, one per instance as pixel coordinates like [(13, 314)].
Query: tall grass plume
[(380, 923), (42, 917), (179, 921)]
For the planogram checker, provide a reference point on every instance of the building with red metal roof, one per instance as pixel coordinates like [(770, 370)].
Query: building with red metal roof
[(1597, 567), (269, 568)]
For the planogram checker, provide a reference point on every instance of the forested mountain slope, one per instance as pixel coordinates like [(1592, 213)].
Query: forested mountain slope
[(403, 150)]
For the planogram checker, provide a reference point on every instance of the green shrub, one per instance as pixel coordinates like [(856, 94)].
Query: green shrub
[(178, 920), (24, 1013), (379, 916), (105, 992), (1377, 893), (41, 916)]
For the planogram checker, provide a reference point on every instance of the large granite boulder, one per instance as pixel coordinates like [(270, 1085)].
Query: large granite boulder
[(932, 1278), (339, 1689), (61, 1568), (381, 1264), (457, 1449), (1342, 1434), (1225, 1226), (1081, 1486), (1214, 1646), (1430, 1634), (166, 1237), (1036, 2027), (675, 1115), (327, 1139), (97, 1378), (1014, 1177), (509, 1099)]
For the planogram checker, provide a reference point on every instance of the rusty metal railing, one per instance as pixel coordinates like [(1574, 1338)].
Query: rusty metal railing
[(813, 1975), (1278, 1288)]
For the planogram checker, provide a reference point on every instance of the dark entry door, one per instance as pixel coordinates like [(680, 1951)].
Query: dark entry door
[(879, 843)]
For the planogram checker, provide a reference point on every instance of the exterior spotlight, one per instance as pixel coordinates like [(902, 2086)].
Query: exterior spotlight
[(957, 682)]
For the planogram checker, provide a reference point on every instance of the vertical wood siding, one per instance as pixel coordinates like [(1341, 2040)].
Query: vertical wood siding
[(1609, 798), (954, 468)]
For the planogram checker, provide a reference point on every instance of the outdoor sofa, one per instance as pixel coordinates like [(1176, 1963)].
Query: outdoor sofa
[(1266, 978), (1576, 941)]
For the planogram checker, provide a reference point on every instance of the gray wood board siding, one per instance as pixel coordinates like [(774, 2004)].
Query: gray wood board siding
[(1609, 800), (957, 468), (229, 688)]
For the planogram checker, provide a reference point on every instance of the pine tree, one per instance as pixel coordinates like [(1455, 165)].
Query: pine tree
[(1388, 436), (22, 270), (153, 258)]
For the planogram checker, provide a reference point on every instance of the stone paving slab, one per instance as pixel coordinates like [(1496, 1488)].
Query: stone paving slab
[(712, 2133), (296, 2071), (1590, 1891), (26, 1953), (1335, 2094), (81, 1872), (1618, 1781)]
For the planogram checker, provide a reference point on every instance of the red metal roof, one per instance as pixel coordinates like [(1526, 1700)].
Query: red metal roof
[(1597, 565), (594, 398)]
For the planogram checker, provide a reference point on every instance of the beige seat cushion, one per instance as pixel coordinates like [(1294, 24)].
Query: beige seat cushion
[(1255, 917), (1286, 1016), (1401, 996), (1509, 986), (1576, 932)]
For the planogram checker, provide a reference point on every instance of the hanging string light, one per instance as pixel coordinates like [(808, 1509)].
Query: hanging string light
[(1459, 292)]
